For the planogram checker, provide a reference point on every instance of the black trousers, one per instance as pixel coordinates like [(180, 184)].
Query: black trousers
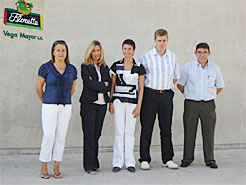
[(193, 111), (161, 104), (92, 122)]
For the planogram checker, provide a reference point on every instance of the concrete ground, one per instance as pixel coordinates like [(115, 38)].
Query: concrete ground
[(25, 169)]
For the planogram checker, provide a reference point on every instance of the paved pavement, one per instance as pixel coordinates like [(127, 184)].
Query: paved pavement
[(25, 169)]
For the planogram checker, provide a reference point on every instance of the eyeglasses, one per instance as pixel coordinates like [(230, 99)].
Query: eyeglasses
[(202, 53)]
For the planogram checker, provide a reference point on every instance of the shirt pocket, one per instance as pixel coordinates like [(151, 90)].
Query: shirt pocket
[(155, 68), (211, 80), (192, 78)]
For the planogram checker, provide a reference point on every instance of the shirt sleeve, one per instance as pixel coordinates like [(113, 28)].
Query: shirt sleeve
[(183, 78), (176, 69), (43, 71), (219, 82), (143, 63), (141, 70), (74, 73), (113, 69)]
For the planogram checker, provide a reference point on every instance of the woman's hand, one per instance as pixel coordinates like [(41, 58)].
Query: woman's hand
[(111, 108), (136, 111), (106, 84)]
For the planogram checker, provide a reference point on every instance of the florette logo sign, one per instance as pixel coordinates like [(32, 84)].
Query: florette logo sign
[(23, 17)]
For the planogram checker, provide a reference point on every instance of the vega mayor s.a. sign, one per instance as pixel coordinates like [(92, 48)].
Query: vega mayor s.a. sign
[(23, 17)]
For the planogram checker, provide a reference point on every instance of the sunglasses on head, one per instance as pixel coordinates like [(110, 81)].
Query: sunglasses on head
[(59, 42)]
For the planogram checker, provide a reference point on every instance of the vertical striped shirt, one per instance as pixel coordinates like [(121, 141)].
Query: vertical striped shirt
[(160, 70), (201, 83)]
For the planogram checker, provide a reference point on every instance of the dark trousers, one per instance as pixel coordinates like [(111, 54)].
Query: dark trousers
[(161, 104), (92, 122), (193, 111)]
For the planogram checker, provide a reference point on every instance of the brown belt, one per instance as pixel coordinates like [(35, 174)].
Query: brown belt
[(158, 91)]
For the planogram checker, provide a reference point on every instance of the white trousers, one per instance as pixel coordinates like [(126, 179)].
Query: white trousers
[(55, 121), (124, 128)]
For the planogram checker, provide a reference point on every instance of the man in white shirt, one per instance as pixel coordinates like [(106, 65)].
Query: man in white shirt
[(162, 71), (200, 82)]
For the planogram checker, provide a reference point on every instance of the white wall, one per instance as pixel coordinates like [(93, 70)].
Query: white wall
[(221, 23)]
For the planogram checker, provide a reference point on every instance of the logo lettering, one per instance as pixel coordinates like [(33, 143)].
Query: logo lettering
[(18, 18)]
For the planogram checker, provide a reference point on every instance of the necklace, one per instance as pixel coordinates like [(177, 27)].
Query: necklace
[(60, 66)]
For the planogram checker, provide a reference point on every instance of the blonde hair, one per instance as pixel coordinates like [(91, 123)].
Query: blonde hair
[(88, 60)]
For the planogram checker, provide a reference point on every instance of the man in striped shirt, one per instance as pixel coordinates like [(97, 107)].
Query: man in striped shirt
[(162, 72)]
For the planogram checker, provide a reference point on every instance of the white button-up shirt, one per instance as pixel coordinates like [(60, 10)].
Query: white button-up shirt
[(201, 83), (160, 70), (100, 100)]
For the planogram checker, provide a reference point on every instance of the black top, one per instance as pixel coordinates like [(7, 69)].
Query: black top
[(91, 85)]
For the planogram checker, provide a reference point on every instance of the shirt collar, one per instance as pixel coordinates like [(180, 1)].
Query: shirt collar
[(122, 61), (155, 52), (97, 67), (199, 65)]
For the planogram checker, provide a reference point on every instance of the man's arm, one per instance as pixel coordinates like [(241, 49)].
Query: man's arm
[(219, 90), (181, 88), (174, 81)]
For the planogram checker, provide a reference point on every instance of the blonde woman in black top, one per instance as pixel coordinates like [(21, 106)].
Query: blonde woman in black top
[(94, 99)]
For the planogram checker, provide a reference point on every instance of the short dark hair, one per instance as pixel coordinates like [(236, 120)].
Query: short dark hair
[(202, 45), (129, 42), (160, 32)]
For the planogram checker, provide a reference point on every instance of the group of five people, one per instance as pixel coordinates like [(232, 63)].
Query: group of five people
[(137, 88)]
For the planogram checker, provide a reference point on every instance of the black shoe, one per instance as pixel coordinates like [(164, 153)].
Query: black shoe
[(131, 169), (185, 164), (212, 165), (116, 169)]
